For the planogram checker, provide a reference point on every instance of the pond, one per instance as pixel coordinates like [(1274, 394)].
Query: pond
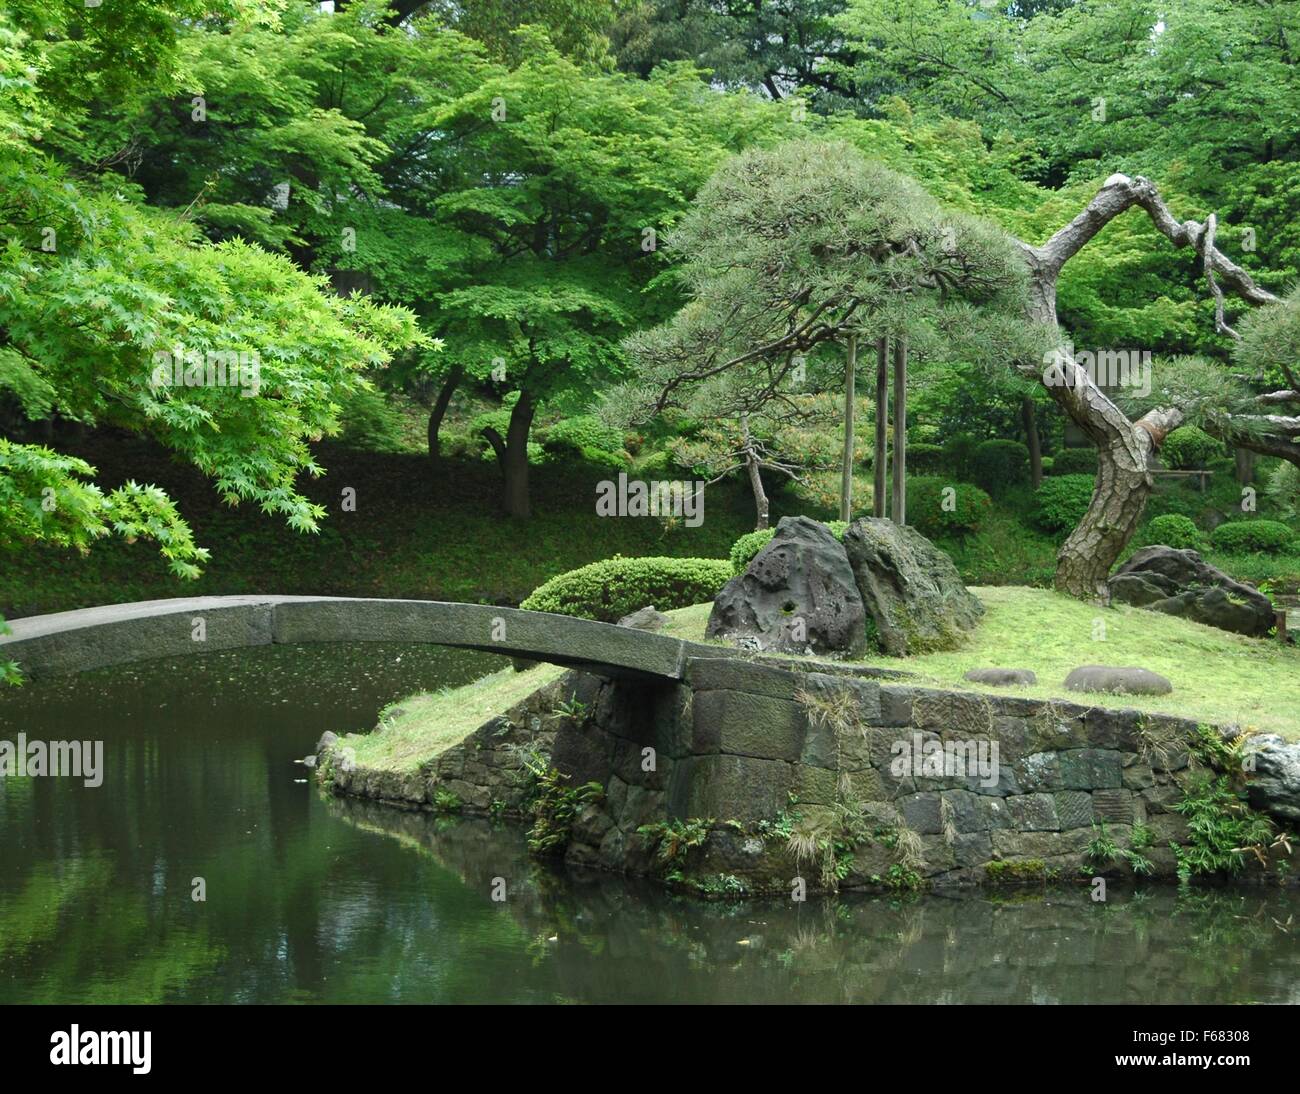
[(312, 899)]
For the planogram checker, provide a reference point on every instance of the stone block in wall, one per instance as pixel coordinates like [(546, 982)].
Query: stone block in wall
[(1074, 808), (1033, 812), (952, 714), (1135, 774), (1090, 768), (938, 854), (864, 786), (1010, 843), (1114, 806), (743, 724), (993, 813), (1158, 798), (815, 785), (1113, 729), (922, 812), (972, 848), (963, 810), (1168, 826), (737, 674), (726, 787), (1039, 771), (895, 705), (1057, 726), (864, 695)]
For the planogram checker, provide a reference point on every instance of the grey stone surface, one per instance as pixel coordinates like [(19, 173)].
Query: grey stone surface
[(115, 634), (797, 595), (909, 587), (1117, 680), (1002, 678), (645, 619), (1090, 769), (1181, 583), (1274, 782)]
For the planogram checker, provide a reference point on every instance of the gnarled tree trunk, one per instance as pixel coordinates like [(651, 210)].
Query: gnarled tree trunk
[(439, 412)]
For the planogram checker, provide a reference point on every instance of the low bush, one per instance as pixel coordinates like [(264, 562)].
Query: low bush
[(926, 458), (960, 449), (1175, 530), (587, 438), (934, 511), (608, 590), (1049, 464), (999, 464), (1189, 447), (1075, 461), (1246, 536), (1061, 502)]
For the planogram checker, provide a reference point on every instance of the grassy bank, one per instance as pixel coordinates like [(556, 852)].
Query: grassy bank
[(1217, 677)]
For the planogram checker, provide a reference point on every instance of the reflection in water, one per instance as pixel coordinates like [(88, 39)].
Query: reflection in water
[(316, 899)]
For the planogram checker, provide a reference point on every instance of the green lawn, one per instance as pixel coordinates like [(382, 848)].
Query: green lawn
[(432, 722), (1219, 677)]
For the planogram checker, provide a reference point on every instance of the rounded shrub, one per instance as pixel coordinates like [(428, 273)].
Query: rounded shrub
[(926, 458), (1075, 461), (585, 438), (1049, 465), (1059, 504), (748, 545), (999, 464), (937, 506), (1189, 447), (960, 450), (608, 590), (1250, 536), (1175, 530)]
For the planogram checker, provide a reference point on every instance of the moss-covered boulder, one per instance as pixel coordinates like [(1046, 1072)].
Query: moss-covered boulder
[(909, 587)]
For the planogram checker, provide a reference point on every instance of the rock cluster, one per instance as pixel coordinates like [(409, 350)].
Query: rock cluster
[(806, 592), (1180, 583)]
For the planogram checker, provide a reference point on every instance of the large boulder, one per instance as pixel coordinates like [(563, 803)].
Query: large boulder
[(1274, 785), (797, 595), (909, 587), (1164, 579)]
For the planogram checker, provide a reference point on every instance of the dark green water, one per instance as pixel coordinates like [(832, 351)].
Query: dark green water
[(317, 900)]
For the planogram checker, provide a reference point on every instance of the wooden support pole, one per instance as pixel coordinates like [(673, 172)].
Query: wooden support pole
[(881, 459), (900, 430), (850, 392)]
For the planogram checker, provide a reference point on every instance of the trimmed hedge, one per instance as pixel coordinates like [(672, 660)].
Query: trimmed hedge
[(997, 465), (1061, 502), (935, 513), (1248, 536), (748, 545), (1075, 461), (1189, 447), (608, 590), (1175, 530), (926, 457)]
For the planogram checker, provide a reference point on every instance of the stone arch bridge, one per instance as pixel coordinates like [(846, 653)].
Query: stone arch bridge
[(91, 638)]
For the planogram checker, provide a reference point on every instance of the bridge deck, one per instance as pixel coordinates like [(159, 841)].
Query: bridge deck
[(117, 633)]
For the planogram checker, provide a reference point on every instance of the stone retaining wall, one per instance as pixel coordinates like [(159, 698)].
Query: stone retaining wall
[(760, 750)]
